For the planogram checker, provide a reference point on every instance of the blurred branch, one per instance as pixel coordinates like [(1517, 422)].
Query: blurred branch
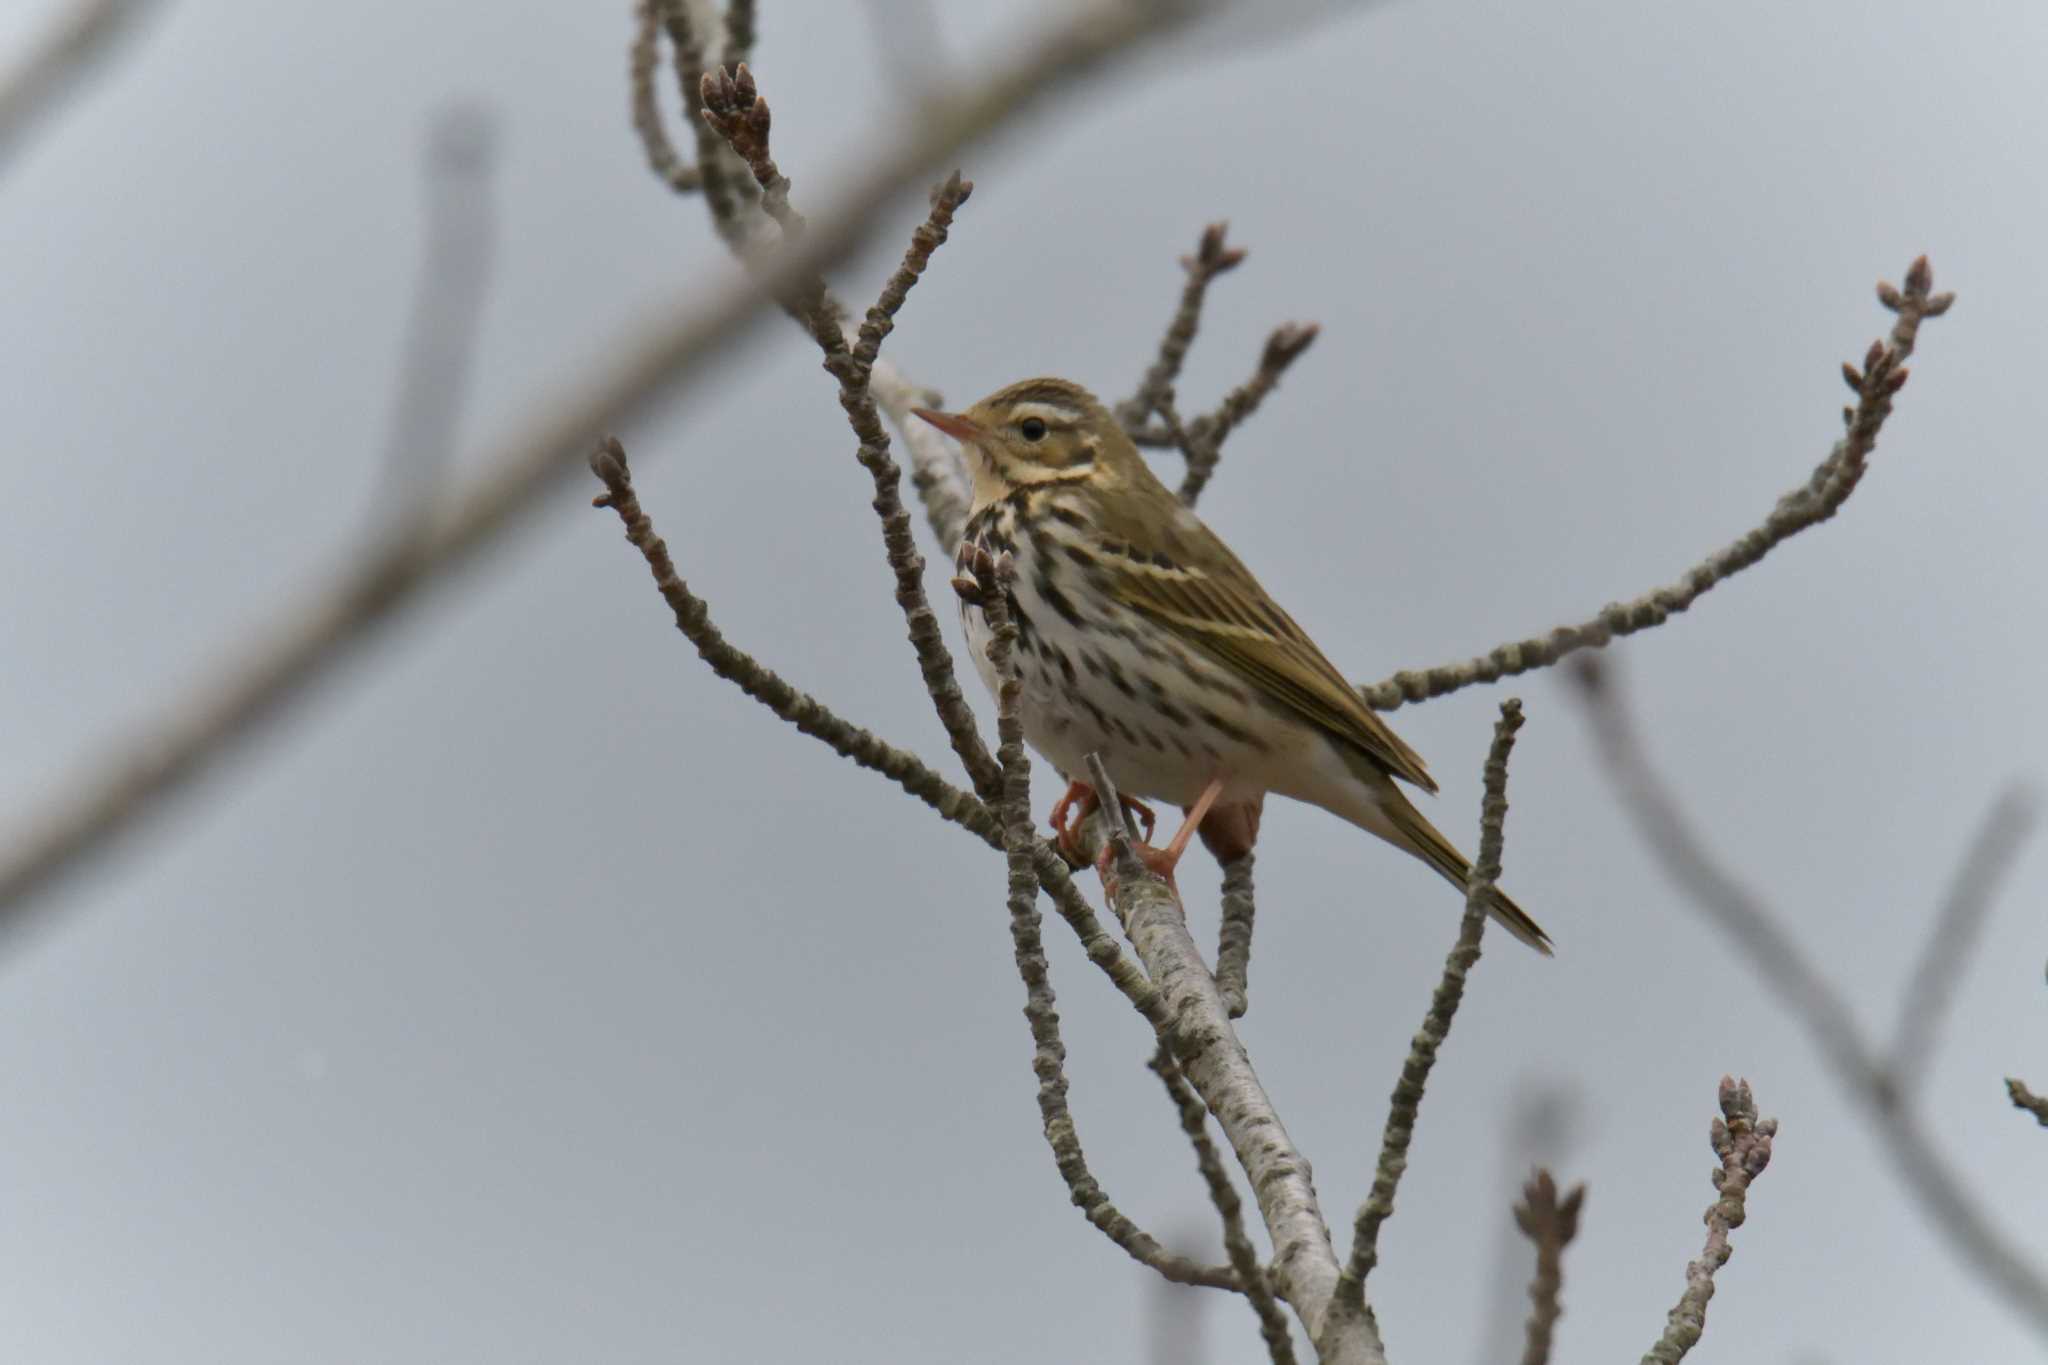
[(1743, 1142), (1754, 931), (1049, 1057), (81, 33), (1244, 1257), (1406, 1104), (1819, 498), (1956, 928), (643, 63), (447, 309), (1551, 1223), (1210, 1055), (315, 630)]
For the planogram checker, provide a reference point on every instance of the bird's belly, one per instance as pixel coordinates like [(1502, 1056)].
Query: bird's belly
[(1165, 719)]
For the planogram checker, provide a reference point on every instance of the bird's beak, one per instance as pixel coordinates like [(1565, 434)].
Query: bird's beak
[(954, 425)]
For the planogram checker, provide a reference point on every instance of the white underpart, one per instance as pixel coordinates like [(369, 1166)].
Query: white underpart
[(1166, 749)]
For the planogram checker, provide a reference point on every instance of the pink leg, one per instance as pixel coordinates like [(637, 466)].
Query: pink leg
[(1164, 860)]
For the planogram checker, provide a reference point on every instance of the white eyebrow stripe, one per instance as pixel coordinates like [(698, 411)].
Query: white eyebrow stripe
[(1045, 412)]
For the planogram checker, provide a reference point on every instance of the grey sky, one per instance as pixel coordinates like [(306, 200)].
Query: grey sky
[(534, 996)]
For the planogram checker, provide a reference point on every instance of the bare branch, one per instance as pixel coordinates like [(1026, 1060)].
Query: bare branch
[(1406, 1104), (316, 629), (1234, 936), (1049, 1059), (1244, 1257), (1211, 258), (715, 176), (643, 62), (1551, 1223), (83, 32), (1819, 498), (814, 718), (1202, 442), (1921, 1161), (935, 468), (1955, 930), (1743, 1142), (2023, 1098), (1207, 1049), (805, 712)]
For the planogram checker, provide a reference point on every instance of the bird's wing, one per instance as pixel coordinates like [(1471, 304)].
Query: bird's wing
[(1210, 600)]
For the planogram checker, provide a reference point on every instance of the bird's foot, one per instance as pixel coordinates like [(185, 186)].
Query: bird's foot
[(1161, 862), (1072, 810)]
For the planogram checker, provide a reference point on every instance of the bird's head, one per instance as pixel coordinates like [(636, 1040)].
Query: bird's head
[(1039, 432)]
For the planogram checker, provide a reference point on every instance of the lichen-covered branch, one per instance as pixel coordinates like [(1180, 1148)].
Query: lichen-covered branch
[(1550, 1221), (1209, 1054), (1049, 1056), (1244, 1257), (1743, 1143), (1875, 385), (1201, 441), (1234, 935), (1406, 1103)]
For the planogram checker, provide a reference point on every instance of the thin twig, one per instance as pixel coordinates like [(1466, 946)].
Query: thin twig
[(805, 712), (714, 172), (1406, 1103), (1049, 1056), (1813, 502), (1550, 1222), (81, 33), (1244, 1257), (1212, 257), (316, 628), (1234, 935), (1743, 1142), (936, 471), (2023, 1098), (814, 718), (1208, 1051), (643, 63), (1202, 442), (1955, 930), (1753, 929)]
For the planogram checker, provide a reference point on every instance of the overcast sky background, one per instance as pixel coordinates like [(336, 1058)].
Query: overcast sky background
[(534, 996)]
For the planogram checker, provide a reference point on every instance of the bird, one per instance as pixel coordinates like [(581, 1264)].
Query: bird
[(1141, 638)]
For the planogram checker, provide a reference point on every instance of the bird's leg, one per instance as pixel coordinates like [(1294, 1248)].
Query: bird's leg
[(1066, 827), (1161, 861)]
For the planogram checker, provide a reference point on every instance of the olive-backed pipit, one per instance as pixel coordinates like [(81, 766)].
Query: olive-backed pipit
[(1142, 638)]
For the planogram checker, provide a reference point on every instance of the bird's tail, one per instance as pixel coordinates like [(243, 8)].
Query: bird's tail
[(1388, 813)]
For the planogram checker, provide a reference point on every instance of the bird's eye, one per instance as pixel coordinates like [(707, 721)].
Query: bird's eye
[(1033, 428)]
